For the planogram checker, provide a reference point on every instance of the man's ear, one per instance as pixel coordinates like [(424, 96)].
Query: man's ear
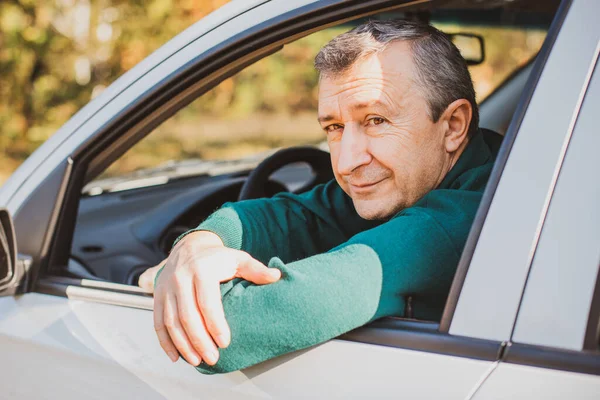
[(457, 117)]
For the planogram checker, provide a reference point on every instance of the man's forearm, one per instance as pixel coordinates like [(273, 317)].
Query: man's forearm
[(321, 297), (313, 302)]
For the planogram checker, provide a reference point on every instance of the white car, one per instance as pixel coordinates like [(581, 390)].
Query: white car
[(522, 318)]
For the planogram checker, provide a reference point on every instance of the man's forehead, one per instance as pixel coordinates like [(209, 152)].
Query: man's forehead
[(394, 60), (373, 82), (390, 67), (358, 89)]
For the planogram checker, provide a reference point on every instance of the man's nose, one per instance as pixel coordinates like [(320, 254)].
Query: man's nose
[(353, 150)]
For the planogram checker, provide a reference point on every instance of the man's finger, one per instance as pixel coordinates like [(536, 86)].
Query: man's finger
[(210, 303), (161, 331), (193, 324), (146, 280), (177, 333), (256, 272)]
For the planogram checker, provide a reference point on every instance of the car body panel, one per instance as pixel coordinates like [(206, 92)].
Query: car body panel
[(520, 382), (111, 351), (492, 290)]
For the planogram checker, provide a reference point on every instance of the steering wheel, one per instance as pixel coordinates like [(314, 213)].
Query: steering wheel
[(318, 160)]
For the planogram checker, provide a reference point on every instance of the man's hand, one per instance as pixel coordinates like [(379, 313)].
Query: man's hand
[(188, 311), (146, 280)]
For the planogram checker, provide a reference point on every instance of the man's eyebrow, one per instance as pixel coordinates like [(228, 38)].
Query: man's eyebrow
[(357, 106), (326, 118)]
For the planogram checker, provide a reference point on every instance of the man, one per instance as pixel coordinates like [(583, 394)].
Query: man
[(398, 107)]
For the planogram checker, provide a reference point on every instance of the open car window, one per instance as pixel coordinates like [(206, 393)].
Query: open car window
[(196, 160), (272, 104)]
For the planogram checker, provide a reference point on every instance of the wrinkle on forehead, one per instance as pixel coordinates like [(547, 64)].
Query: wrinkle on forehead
[(386, 76)]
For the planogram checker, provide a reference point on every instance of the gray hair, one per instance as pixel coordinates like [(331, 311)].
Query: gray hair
[(442, 72)]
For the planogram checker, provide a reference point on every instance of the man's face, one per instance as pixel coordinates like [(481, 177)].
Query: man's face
[(386, 152)]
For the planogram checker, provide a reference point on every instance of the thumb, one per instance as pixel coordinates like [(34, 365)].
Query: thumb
[(146, 280), (256, 272)]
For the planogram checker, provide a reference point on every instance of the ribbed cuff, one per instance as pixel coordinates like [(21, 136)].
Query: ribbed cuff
[(226, 224)]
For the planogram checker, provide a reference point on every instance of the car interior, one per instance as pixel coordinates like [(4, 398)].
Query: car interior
[(124, 227)]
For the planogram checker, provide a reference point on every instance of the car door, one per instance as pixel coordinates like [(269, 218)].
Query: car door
[(555, 346), (73, 337)]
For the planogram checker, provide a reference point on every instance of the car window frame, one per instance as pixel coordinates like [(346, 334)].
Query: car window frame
[(530, 344), (535, 292), (502, 258), (501, 160)]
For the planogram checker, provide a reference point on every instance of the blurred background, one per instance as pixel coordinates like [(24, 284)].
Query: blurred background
[(56, 55)]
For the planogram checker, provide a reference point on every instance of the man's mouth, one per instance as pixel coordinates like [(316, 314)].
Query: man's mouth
[(364, 187)]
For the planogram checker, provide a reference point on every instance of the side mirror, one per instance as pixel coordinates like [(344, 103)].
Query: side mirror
[(471, 47), (8, 247)]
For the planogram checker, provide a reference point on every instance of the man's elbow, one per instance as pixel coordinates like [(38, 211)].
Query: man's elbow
[(212, 369), (229, 361)]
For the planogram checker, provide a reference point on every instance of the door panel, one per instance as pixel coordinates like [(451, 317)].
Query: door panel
[(72, 348), (515, 382)]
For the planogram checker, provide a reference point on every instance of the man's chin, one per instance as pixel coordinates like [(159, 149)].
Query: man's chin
[(370, 210)]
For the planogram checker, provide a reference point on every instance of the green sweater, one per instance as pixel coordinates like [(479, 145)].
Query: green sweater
[(340, 271)]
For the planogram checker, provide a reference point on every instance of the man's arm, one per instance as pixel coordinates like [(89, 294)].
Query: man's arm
[(187, 302), (323, 296), (290, 227)]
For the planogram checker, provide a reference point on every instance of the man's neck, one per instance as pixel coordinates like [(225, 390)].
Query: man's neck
[(453, 159)]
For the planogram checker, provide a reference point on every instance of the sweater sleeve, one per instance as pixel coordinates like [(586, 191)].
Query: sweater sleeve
[(288, 226), (325, 295)]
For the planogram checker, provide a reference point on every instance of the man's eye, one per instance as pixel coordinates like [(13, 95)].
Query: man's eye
[(332, 128), (376, 121)]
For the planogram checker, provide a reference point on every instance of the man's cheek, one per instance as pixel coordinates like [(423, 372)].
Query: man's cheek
[(334, 153)]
